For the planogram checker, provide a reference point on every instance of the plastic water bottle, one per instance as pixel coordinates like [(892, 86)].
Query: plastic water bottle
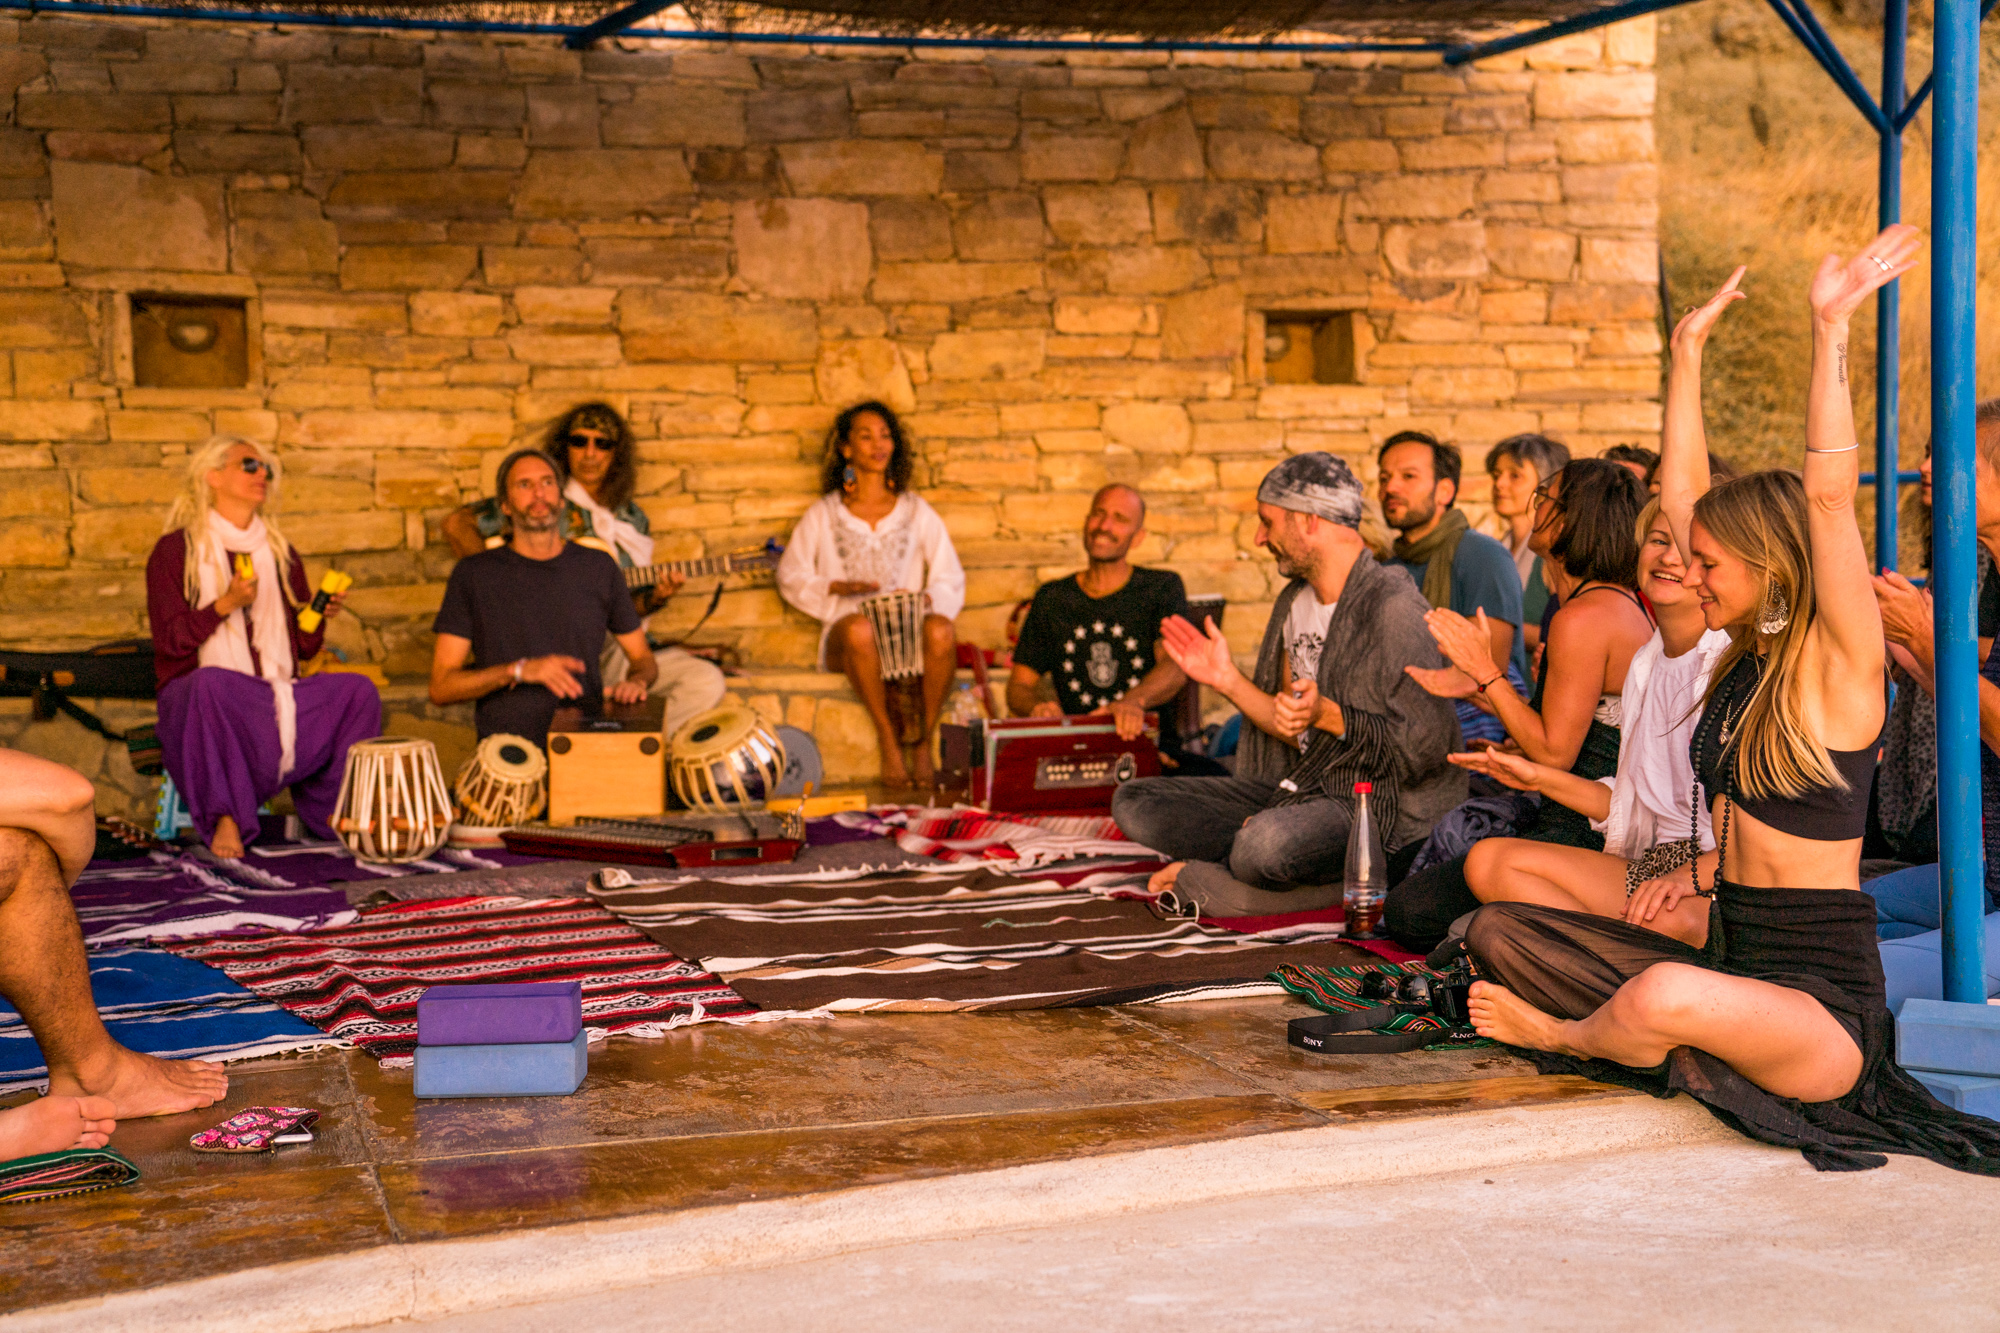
[(1367, 880)]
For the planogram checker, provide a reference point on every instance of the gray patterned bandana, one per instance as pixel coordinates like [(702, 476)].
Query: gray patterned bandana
[(1315, 483)]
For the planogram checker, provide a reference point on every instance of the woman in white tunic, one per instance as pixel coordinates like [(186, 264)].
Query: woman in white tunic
[(868, 534)]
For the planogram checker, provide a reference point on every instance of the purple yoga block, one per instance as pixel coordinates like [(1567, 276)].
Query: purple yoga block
[(500, 1015)]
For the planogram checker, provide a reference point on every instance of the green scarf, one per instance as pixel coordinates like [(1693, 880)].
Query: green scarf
[(1436, 553)]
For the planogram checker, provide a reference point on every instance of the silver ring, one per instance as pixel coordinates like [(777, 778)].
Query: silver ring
[(1886, 266)]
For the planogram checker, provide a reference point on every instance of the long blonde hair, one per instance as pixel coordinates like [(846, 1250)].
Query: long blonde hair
[(195, 502), (1761, 520)]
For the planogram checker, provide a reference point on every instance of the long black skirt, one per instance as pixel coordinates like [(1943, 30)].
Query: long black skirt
[(1819, 941)]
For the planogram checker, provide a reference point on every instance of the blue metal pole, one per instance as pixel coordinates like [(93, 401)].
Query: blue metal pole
[(1888, 301), (1954, 256)]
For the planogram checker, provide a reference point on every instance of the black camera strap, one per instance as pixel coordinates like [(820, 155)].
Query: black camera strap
[(1360, 1032)]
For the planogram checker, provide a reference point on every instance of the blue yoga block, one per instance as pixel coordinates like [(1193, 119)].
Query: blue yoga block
[(1963, 1092), (500, 1015), (1949, 1038), (525, 1069)]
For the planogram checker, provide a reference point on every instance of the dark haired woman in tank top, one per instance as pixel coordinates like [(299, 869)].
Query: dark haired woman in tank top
[(1776, 1018)]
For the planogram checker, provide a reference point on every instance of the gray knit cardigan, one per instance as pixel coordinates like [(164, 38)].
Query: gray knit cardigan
[(1397, 734)]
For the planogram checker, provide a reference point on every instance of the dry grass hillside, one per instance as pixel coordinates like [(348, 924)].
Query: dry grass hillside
[(1764, 162)]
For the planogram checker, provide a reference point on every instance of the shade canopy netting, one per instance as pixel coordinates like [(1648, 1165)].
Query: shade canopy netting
[(1422, 22)]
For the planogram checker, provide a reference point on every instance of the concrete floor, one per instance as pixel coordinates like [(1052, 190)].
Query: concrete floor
[(713, 1116), (1711, 1235)]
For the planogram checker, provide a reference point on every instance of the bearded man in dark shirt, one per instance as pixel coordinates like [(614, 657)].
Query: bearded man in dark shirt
[(532, 615), (1095, 635)]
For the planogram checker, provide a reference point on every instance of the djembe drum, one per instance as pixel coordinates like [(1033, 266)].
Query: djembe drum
[(503, 784), (393, 805), (725, 759), (898, 621)]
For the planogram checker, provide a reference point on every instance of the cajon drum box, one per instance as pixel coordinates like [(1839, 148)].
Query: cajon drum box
[(608, 763)]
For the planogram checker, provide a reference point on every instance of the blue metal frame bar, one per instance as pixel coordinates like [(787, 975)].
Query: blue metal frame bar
[(1889, 301), (1924, 88), (1902, 478), (1596, 18), (615, 22), (1954, 580), (1799, 18)]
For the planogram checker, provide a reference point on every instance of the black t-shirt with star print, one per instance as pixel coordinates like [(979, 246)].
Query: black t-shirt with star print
[(1097, 648)]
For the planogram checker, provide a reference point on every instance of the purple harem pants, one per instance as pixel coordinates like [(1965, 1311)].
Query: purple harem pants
[(219, 738)]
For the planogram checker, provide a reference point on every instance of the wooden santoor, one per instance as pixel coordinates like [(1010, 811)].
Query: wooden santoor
[(504, 783), (393, 805), (898, 621), (726, 759)]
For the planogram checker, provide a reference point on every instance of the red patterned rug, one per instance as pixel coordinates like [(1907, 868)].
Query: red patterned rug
[(360, 982)]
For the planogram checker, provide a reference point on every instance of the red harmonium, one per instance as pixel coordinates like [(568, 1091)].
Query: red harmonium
[(1058, 765)]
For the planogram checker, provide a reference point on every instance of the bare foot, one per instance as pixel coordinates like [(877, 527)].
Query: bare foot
[(926, 772), (52, 1124), (894, 774), (228, 840), (1165, 877), (1504, 1016), (138, 1085)]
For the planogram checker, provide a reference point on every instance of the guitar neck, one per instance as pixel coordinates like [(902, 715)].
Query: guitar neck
[(645, 576)]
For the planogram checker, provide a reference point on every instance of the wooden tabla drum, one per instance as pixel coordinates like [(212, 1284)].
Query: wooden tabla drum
[(898, 621), (505, 783), (725, 759), (393, 805)]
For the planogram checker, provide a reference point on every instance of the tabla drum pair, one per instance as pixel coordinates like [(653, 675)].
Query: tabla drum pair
[(505, 783)]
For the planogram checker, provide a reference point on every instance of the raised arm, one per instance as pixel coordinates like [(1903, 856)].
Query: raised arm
[(1683, 471), (1848, 627)]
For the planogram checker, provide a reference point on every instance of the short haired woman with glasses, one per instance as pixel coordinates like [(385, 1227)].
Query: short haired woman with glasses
[(237, 724), (593, 446), (1517, 466), (870, 533)]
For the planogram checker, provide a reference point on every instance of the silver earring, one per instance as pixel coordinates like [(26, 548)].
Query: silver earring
[(1776, 613)]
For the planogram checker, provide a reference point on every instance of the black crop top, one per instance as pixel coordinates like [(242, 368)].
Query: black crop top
[(1824, 814)]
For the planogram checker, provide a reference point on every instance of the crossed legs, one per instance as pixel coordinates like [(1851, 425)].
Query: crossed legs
[(1518, 870), (1593, 987)]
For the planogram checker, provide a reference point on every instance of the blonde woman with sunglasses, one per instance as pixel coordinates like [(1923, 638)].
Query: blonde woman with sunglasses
[(237, 724)]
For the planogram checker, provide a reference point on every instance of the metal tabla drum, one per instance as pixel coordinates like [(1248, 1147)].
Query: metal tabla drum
[(725, 759), (898, 621), (393, 805), (505, 783)]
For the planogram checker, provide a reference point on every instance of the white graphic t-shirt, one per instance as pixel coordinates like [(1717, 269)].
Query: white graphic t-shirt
[(1305, 634)]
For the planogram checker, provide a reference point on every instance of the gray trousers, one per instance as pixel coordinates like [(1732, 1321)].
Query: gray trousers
[(1236, 844)]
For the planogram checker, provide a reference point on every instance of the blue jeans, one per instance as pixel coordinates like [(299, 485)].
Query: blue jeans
[(1231, 822), (1907, 917)]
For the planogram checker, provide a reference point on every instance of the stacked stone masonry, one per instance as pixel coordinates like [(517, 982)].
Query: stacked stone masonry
[(1053, 263)]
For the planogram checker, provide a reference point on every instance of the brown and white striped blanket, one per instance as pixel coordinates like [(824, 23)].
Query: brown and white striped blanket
[(956, 939)]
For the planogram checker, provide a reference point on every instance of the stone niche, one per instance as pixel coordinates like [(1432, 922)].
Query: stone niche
[(1061, 270)]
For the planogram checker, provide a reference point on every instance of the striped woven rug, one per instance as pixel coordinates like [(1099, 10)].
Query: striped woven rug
[(360, 982), (958, 939)]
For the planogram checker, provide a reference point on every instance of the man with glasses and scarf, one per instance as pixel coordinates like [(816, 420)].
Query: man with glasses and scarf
[(597, 464)]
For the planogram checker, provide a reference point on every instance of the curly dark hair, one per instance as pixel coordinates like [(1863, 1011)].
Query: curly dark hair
[(623, 478), (1599, 501), (900, 461)]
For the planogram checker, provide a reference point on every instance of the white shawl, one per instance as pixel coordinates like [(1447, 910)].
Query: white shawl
[(269, 627), (636, 546)]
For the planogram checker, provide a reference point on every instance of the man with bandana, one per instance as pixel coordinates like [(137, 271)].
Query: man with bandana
[(1328, 705), (1094, 636)]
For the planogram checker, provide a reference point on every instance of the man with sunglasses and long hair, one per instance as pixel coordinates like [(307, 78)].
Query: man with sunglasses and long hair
[(593, 447)]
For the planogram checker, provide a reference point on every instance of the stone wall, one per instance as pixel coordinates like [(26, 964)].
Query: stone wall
[(1054, 264)]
